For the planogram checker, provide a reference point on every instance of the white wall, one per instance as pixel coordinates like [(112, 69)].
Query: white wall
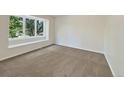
[(6, 52), (84, 32), (114, 44)]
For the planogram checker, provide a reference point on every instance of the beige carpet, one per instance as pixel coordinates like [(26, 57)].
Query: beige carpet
[(56, 61)]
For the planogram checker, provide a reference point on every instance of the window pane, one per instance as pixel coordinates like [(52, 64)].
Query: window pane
[(15, 27), (30, 27), (39, 28)]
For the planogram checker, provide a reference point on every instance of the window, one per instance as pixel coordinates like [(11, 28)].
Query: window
[(40, 28), (15, 26), (25, 29), (30, 27)]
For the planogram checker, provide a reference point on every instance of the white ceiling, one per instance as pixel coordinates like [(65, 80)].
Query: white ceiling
[(56, 15)]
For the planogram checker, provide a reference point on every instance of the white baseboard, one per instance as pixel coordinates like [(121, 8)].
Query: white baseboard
[(108, 60), (101, 52), (7, 57), (106, 56)]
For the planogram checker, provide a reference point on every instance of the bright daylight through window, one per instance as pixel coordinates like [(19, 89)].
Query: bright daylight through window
[(25, 29)]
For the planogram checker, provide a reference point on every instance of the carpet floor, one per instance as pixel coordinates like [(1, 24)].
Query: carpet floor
[(56, 61)]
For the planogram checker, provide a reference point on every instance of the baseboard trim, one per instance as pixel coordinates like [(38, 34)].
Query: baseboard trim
[(8, 57), (95, 52), (107, 58), (100, 52), (108, 61)]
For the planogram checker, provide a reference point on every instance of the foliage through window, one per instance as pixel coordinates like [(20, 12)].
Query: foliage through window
[(25, 26), (15, 26), (39, 28), (30, 27)]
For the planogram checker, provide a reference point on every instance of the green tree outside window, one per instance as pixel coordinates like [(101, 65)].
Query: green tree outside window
[(15, 26)]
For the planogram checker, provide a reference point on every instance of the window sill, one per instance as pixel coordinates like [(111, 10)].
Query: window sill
[(23, 38), (13, 43), (23, 44)]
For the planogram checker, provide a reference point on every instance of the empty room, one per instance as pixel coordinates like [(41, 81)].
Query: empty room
[(61, 46)]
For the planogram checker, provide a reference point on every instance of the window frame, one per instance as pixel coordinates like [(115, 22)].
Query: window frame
[(45, 31)]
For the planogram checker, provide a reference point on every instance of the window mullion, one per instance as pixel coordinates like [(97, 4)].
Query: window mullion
[(35, 27), (44, 28), (24, 26)]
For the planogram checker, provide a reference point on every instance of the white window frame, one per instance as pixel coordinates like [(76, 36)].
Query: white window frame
[(34, 39)]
